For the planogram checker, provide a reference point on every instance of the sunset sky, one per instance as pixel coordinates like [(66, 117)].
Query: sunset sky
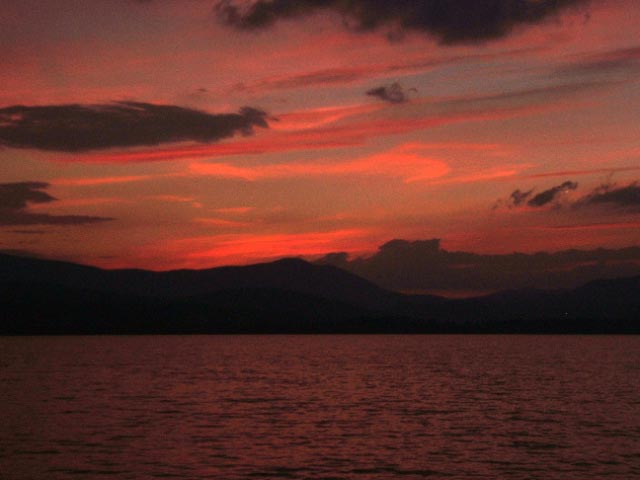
[(193, 133)]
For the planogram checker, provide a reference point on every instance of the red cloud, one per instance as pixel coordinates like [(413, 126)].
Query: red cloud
[(219, 250), (405, 162)]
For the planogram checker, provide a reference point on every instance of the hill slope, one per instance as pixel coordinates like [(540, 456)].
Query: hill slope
[(288, 274)]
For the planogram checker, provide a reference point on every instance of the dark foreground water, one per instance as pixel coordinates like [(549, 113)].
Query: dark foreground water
[(331, 407)]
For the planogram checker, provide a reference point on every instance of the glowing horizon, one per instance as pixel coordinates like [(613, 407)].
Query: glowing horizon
[(156, 135)]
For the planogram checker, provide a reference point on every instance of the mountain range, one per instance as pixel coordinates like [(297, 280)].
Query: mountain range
[(286, 296)]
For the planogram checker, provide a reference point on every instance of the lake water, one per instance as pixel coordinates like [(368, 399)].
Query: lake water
[(320, 407)]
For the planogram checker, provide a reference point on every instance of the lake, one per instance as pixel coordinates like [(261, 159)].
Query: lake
[(320, 407)]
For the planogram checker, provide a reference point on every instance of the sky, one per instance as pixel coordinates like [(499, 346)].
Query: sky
[(168, 134)]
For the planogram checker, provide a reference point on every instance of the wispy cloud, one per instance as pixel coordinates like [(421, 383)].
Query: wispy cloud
[(592, 226), (587, 171), (222, 222), (234, 210), (408, 163), (621, 60), (539, 95), (92, 181), (319, 117), (497, 172), (28, 232), (360, 72)]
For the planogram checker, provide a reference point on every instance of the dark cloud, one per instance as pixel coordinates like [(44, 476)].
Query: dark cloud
[(607, 195), (423, 265), (547, 196), (16, 197), (449, 21), (393, 93), (518, 197), (19, 252), (611, 195), (538, 94), (29, 232), (76, 128)]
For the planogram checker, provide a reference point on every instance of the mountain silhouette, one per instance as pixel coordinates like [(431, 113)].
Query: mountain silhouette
[(286, 296), (290, 274)]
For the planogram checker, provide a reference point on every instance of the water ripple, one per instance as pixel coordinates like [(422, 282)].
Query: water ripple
[(323, 407)]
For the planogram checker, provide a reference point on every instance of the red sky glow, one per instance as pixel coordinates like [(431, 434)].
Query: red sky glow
[(305, 136)]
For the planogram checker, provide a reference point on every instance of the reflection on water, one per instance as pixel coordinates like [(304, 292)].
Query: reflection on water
[(330, 407)]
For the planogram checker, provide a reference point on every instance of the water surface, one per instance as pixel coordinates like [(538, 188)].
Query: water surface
[(320, 407)]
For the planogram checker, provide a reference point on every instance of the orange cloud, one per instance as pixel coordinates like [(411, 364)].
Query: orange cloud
[(87, 182), (592, 171), (592, 226), (219, 250), (221, 222), (234, 210), (318, 117), (271, 246), (499, 172), (407, 162), (171, 198)]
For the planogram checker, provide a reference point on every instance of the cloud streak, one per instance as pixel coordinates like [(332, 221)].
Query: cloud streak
[(407, 163), (80, 128), (623, 60), (15, 199), (350, 74), (462, 21)]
